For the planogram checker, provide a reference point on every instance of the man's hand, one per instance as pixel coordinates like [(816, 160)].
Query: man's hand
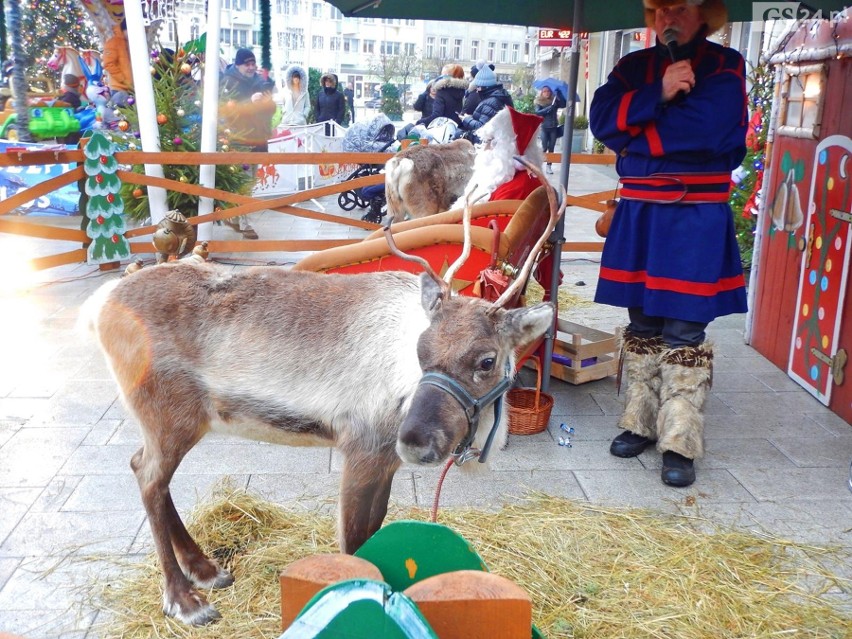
[(678, 77), (256, 97)]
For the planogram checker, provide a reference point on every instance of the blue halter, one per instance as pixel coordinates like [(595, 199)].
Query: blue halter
[(472, 408)]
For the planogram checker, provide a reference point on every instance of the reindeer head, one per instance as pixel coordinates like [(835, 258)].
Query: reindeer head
[(467, 353), (467, 357)]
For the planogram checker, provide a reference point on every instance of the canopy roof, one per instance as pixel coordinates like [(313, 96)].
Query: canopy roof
[(597, 16)]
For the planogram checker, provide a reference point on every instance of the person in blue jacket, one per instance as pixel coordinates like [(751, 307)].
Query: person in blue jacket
[(492, 99), (676, 116)]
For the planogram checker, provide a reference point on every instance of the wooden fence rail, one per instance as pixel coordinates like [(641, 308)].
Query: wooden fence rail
[(240, 204)]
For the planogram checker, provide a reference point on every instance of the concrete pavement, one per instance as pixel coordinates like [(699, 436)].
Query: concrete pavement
[(777, 460)]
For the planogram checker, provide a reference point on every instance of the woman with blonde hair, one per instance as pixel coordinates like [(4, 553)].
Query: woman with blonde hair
[(448, 90)]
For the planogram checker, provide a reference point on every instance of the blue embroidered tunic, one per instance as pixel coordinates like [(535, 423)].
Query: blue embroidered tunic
[(678, 260)]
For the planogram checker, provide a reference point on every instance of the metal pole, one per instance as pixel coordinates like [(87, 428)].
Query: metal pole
[(557, 238), (210, 113)]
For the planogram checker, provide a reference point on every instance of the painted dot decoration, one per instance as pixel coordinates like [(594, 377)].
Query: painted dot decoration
[(814, 372), (838, 243), (818, 242), (823, 284), (828, 265), (823, 156), (806, 310), (812, 277), (825, 342), (798, 343), (821, 312), (830, 183)]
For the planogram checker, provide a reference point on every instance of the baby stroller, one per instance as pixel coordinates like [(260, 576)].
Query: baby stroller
[(375, 136)]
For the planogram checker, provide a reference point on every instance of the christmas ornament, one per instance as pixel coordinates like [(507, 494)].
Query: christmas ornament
[(132, 146), (178, 141), (123, 125), (183, 179), (185, 68), (181, 113), (138, 192), (161, 118), (131, 100), (100, 219), (226, 148)]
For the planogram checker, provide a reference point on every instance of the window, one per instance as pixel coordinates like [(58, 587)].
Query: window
[(516, 53), (316, 10), (801, 101), (504, 52), (239, 5), (350, 45), (443, 48), (492, 46), (194, 29), (240, 38), (317, 42), (389, 48), (289, 7), (226, 36), (391, 21), (457, 48), (410, 49), (335, 43), (255, 38), (369, 46), (335, 13), (294, 39), (474, 50), (430, 46), (410, 23)]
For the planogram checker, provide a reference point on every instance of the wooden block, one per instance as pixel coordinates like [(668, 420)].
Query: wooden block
[(470, 604), (304, 578)]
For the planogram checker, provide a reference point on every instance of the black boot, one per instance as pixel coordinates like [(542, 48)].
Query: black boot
[(629, 444), (677, 470)]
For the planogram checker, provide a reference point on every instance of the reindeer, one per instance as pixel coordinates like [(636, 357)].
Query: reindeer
[(282, 356), (426, 179)]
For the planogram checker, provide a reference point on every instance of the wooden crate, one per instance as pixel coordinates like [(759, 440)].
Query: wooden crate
[(582, 354)]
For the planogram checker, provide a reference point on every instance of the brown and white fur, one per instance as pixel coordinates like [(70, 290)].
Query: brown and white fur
[(426, 179), (296, 358)]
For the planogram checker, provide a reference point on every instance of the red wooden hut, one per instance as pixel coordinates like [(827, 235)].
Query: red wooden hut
[(801, 306)]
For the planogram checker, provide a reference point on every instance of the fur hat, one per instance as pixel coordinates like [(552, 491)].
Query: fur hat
[(485, 78), (243, 56), (713, 13), (71, 81)]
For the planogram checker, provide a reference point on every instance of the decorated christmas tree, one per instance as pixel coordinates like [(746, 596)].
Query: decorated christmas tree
[(177, 95), (748, 178), (48, 23), (105, 210)]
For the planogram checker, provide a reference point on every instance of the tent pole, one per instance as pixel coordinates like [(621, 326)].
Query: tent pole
[(557, 238)]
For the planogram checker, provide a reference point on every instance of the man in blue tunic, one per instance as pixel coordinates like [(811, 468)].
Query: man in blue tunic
[(676, 116)]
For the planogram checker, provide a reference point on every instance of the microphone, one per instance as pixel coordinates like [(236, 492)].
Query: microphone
[(670, 40)]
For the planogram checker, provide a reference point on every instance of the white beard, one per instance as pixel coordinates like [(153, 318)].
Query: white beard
[(494, 164)]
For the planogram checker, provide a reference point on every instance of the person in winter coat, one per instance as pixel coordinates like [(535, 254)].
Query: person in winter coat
[(671, 256), (547, 106), (246, 110), (349, 94), (424, 102), (297, 103), (449, 94), (492, 98), (330, 103), (471, 96), (116, 63)]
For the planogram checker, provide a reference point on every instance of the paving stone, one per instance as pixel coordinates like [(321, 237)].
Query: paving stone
[(33, 455), (817, 450), (8, 565), (645, 489), (47, 624), (591, 455), (796, 484), (14, 504), (7, 429), (40, 534), (247, 458), (726, 427)]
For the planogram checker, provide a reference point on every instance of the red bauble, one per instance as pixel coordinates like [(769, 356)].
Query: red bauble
[(104, 159), (99, 178), (137, 192), (162, 119), (114, 239), (100, 219), (110, 198)]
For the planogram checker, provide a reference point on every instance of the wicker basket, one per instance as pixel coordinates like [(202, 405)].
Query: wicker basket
[(529, 408)]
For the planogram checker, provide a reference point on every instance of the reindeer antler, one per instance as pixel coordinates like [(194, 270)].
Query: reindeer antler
[(557, 207), (468, 211), (445, 287)]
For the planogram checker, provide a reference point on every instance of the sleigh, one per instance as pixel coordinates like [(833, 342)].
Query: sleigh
[(502, 235)]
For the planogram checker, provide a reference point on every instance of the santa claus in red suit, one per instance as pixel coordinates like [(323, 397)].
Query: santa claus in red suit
[(496, 174)]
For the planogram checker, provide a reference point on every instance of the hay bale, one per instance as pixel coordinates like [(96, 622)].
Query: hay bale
[(590, 572)]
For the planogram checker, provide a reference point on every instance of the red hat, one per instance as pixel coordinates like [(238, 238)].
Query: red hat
[(525, 126)]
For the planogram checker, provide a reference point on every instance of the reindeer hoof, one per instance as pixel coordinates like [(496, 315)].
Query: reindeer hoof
[(194, 611), (223, 579)]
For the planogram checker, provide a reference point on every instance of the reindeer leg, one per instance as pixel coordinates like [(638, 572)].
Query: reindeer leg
[(364, 492), (171, 428)]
